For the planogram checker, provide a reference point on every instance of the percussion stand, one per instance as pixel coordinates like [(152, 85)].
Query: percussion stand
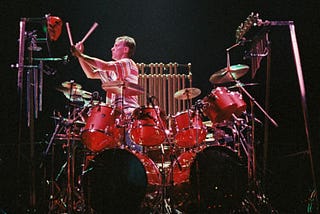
[(71, 202), (164, 204), (197, 143)]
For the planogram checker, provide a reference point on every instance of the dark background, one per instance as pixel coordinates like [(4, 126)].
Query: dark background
[(196, 32)]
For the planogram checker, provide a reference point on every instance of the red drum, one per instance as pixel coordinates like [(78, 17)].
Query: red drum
[(100, 131), (148, 126), (215, 175), (219, 105), (241, 105), (188, 129), (121, 181)]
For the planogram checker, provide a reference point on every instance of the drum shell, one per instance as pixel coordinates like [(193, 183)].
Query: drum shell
[(215, 175), (241, 105), (100, 130), (188, 129), (219, 105), (148, 126)]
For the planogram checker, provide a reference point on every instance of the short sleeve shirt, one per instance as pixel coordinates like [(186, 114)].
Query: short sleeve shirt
[(125, 70)]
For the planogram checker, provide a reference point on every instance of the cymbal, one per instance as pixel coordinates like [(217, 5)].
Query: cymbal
[(122, 87), (242, 85), (74, 93), (66, 120), (229, 75), (187, 93), (68, 85)]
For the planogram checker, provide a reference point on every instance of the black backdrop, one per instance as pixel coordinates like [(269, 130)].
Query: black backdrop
[(196, 32)]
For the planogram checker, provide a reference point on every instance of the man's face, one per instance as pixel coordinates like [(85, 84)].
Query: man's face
[(119, 50)]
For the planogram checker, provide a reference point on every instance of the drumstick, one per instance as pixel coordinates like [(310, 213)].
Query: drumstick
[(89, 32), (69, 33)]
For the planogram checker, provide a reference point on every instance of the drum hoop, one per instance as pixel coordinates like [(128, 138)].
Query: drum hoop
[(148, 124), (192, 127), (96, 130), (183, 112)]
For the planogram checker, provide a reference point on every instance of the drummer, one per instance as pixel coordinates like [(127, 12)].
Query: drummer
[(122, 68)]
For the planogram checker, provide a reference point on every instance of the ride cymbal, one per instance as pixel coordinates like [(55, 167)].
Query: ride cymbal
[(229, 75), (187, 93)]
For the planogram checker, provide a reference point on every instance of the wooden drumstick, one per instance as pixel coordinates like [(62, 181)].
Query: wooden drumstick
[(69, 33), (89, 32)]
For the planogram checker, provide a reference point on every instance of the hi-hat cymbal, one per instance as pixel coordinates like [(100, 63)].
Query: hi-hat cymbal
[(123, 87), (187, 93), (229, 75), (69, 85), (75, 93)]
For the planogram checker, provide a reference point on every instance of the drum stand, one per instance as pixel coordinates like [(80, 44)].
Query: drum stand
[(166, 202)]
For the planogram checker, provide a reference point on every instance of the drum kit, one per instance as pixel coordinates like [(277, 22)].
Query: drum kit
[(187, 164)]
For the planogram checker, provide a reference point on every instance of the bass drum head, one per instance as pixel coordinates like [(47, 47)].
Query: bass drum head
[(217, 183), (116, 182)]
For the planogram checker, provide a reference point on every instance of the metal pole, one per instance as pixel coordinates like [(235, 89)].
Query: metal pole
[(303, 103)]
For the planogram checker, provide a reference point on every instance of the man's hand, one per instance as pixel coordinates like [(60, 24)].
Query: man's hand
[(77, 50)]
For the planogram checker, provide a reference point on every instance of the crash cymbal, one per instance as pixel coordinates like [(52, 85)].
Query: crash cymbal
[(123, 87), (242, 85), (229, 75), (187, 93), (68, 85)]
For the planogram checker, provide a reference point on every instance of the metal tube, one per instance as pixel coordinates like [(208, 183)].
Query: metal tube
[(161, 97), (170, 90), (35, 92), (40, 84), (184, 86), (21, 54), (174, 87), (178, 88)]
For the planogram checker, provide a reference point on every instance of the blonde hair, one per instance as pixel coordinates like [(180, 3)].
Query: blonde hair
[(130, 43)]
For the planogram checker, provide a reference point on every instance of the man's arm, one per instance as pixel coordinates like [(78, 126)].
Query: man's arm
[(89, 64)]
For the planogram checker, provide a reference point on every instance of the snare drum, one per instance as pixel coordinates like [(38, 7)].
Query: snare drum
[(148, 126), (188, 129), (100, 131)]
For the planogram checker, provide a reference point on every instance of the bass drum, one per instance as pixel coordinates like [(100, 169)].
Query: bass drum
[(121, 181), (213, 180)]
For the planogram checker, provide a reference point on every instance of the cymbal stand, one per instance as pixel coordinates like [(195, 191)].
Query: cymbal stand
[(165, 207), (253, 103), (58, 128)]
